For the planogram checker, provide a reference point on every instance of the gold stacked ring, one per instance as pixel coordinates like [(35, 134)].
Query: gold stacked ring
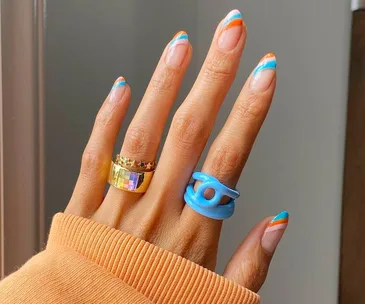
[(130, 175), (135, 165)]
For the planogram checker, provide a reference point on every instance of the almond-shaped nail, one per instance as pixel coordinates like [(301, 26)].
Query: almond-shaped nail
[(264, 73), (117, 90), (274, 231), (231, 30), (178, 49)]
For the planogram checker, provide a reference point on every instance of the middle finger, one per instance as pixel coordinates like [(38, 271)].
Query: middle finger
[(230, 150), (193, 122)]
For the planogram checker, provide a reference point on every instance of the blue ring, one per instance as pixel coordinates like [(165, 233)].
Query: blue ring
[(210, 208)]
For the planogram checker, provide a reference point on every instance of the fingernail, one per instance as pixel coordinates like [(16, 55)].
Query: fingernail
[(264, 73), (177, 49), (231, 31), (274, 231), (117, 90)]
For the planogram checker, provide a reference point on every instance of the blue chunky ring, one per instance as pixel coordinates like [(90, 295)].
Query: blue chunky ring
[(210, 208)]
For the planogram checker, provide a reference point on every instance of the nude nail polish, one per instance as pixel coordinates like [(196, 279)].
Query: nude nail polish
[(117, 90), (231, 30), (264, 73), (178, 49), (274, 232)]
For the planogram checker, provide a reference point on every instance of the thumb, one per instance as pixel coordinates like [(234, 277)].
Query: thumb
[(250, 263)]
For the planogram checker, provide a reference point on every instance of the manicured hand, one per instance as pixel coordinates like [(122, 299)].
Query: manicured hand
[(160, 216)]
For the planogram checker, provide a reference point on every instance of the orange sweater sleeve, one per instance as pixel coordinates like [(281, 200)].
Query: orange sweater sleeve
[(87, 262)]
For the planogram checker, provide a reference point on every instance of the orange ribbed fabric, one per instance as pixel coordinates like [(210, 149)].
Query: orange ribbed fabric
[(87, 262)]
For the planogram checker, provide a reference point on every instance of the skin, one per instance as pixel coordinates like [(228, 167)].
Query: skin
[(160, 216)]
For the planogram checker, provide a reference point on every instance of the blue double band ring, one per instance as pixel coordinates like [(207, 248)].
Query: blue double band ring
[(210, 208)]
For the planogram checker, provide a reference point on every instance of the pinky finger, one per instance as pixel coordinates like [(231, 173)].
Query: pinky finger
[(90, 186), (250, 263)]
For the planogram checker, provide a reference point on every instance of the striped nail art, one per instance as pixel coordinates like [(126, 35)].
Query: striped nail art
[(117, 90), (266, 63), (120, 82), (279, 222), (234, 18), (180, 38)]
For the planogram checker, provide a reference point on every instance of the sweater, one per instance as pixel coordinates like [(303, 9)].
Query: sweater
[(88, 262)]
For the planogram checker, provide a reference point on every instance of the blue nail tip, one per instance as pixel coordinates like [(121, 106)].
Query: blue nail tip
[(282, 215)]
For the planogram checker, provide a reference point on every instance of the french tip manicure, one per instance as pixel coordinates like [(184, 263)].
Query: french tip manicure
[(181, 33), (120, 82), (274, 231), (268, 62), (178, 48), (264, 73), (279, 222), (180, 37), (234, 17), (282, 215), (117, 90), (231, 30)]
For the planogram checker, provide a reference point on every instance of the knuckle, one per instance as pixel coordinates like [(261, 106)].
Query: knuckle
[(226, 160), (188, 130), (202, 255), (194, 247), (103, 120), (92, 162), (218, 70), (250, 109), (162, 82), (253, 273), (251, 268), (136, 141)]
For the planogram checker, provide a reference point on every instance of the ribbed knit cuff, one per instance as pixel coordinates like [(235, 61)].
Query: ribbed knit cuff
[(161, 276)]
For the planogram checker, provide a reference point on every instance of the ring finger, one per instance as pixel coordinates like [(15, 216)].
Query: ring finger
[(145, 131), (229, 152)]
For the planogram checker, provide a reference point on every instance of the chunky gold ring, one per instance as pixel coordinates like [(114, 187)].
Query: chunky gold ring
[(135, 165), (127, 180)]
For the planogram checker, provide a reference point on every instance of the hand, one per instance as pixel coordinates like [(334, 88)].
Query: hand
[(160, 216)]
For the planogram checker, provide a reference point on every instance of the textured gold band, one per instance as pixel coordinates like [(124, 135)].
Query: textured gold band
[(127, 180), (135, 165)]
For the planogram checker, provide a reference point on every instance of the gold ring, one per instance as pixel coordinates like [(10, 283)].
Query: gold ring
[(135, 165), (127, 180)]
